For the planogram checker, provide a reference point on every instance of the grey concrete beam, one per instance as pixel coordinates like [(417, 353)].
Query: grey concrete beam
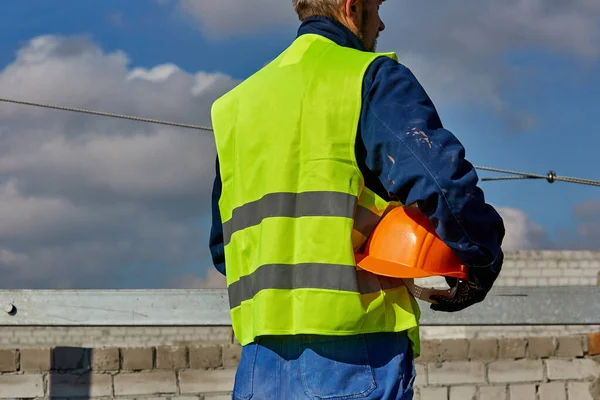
[(575, 305)]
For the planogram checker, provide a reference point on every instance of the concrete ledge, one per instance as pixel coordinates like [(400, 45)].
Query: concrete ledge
[(505, 306)]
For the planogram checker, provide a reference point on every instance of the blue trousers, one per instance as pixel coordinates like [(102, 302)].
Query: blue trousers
[(374, 366)]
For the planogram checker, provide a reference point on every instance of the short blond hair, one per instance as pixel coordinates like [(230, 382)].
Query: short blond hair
[(313, 8)]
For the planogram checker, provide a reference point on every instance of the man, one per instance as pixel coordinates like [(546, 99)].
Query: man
[(325, 133)]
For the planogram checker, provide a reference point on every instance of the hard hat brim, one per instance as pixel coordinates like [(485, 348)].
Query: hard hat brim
[(399, 270)]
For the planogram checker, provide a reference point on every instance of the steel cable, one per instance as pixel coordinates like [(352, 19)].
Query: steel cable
[(551, 176)]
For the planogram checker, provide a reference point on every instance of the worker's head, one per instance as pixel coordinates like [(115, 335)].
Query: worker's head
[(360, 16)]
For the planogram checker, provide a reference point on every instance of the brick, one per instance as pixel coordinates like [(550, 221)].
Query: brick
[(456, 373), (105, 359), (595, 389), (492, 393), (87, 385), (540, 347), (454, 349), (70, 358), (145, 383), (434, 393), (531, 272), (522, 392), (215, 397), (8, 360), (571, 346), (228, 397), (171, 357), (552, 391), (463, 393), (552, 272), (152, 398), (209, 381), (483, 349), (511, 348), (572, 369), (36, 359), (21, 386), (231, 355), (429, 351), (137, 358), (573, 272), (580, 391), (593, 340), (202, 357), (516, 371), (421, 378), (205, 334)]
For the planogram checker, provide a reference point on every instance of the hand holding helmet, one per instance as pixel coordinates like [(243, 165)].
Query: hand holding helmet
[(404, 245)]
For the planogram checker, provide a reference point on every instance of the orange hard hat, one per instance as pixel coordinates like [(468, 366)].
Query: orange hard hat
[(404, 245)]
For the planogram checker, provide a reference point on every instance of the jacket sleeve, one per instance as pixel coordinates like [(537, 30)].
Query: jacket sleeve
[(416, 160), (216, 243)]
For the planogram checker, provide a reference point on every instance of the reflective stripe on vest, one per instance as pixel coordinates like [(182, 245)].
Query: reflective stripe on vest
[(293, 203), (306, 276), (371, 208)]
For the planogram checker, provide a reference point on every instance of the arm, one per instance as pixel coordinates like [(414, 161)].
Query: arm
[(216, 232), (416, 160)]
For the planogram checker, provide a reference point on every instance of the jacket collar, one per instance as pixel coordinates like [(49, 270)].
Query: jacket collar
[(332, 30)]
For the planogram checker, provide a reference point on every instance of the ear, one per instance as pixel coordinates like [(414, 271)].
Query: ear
[(351, 9)]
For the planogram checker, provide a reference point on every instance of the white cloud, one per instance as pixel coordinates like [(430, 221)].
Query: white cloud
[(225, 18), (457, 49), (88, 201), (521, 232), (587, 222), (12, 259), (160, 73)]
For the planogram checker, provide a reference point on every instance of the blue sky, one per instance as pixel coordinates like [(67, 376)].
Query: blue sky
[(517, 85)]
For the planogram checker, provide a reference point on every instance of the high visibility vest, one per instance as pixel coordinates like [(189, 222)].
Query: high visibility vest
[(294, 205)]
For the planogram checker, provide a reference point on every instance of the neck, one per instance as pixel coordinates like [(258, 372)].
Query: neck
[(348, 23)]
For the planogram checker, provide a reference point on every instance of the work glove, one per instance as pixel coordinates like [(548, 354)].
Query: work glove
[(467, 294), (471, 292)]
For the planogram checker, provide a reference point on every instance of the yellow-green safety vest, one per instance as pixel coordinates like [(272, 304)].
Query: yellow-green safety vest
[(294, 205)]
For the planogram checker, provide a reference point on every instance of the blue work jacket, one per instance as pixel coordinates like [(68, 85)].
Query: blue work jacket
[(405, 154)]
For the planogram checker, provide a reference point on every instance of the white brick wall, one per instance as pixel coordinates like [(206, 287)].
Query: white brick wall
[(579, 391), (145, 383), (206, 381), (463, 392), (522, 392), (550, 268), (492, 392), (471, 332), (543, 268), (516, 371), (454, 373), (553, 391), (18, 386), (72, 385), (549, 369), (579, 369)]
